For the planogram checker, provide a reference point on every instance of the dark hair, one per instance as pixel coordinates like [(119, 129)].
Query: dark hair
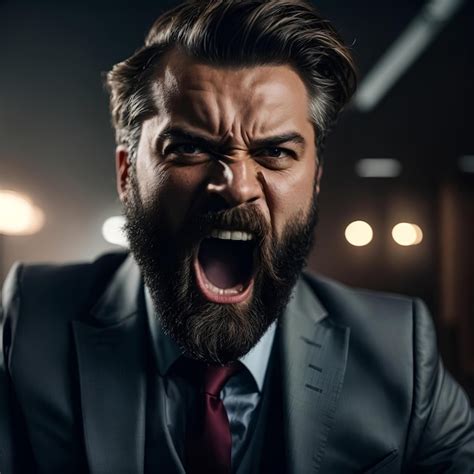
[(238, 33)]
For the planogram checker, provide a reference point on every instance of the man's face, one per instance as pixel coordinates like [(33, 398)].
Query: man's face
[(221, 204)]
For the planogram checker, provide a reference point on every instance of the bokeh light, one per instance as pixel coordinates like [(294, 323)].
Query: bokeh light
[(406, 234), (18, 215), (359, 233), (113, 232)]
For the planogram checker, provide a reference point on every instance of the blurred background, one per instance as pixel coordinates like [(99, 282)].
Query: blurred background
[(403, 152)]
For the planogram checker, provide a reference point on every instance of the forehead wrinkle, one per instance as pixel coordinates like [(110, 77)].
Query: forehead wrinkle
[(216, 115), (264, 109), (252, 124), (263, 122), (204, 110), (215, 100), (234, 106), (254, 120)]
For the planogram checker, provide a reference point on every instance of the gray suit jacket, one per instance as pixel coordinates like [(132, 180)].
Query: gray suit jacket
[(360, 382)]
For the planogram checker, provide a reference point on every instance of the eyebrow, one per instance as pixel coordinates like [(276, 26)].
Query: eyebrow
[(178, 133), (275, 140)]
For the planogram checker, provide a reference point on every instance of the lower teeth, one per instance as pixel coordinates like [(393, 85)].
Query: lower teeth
[(221, 291)]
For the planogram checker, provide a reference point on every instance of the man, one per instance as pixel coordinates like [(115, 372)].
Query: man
[(208, 349)]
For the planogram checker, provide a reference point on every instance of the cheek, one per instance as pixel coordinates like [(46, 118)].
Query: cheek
[(290, 195), (172, 189)]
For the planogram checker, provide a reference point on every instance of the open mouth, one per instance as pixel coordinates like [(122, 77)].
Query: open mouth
[(225, 266)]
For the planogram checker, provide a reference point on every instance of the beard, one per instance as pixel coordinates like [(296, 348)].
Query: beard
[(206, 331)]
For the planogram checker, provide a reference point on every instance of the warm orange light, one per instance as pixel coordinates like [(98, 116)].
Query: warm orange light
[(406, 234), (359, 233), (18, 215)]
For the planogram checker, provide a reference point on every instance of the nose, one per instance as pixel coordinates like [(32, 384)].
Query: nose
[(236, 181)]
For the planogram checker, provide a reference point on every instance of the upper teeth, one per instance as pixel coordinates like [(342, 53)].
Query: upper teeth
[(231, 234)]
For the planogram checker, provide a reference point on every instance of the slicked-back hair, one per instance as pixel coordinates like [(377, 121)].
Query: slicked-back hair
[(237, 33)]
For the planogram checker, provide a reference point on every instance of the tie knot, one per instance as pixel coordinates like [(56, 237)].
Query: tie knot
[(215, 377)]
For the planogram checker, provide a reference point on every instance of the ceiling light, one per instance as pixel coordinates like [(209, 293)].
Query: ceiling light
[(466, 163), (378, 168), (404, 52)]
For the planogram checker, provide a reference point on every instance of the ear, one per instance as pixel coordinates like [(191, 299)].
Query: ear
[(319, 175), (122, 169)]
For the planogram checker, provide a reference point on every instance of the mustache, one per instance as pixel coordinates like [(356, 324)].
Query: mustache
[(249, 219)]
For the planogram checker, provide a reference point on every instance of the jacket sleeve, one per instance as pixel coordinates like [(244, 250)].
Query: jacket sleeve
[(15, 451), (441, 436)]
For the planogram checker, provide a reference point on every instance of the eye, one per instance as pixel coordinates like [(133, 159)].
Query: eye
[(185, 149), (275, 152)]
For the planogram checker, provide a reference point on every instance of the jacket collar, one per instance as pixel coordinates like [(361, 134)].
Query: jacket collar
[(122, 297), (314, 354), (111, 347)]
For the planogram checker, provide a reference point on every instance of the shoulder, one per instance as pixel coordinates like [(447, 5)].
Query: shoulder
[(388, 331), (37, 298), (361, 309), (39, 282), (395, 382), (343, 300), (39, 277)]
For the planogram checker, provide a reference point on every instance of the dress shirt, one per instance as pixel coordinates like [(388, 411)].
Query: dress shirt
[(241, 394)]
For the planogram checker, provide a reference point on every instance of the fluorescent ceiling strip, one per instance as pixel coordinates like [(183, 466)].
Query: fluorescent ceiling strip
[(378, 168), (404, 51)]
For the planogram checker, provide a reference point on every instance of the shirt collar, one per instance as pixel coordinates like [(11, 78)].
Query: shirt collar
[(256, 360)]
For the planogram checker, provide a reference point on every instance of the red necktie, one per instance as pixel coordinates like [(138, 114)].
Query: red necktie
[(209, 444)]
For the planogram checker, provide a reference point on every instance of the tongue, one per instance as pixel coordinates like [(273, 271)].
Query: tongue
[(226, 263)]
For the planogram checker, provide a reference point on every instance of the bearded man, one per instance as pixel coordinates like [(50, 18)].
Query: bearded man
[(208, 349)]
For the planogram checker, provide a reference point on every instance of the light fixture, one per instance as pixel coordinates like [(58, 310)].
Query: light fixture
[(407, 234), (18, 215), (466, 163), (359, 233), (113, 232), (404, 51), (378, 168)]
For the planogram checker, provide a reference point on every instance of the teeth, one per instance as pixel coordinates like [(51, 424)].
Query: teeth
[(237, 235), (221, 291), (231, 235)]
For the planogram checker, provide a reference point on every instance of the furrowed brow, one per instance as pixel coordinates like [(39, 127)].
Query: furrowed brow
[(277, 140), (181, 134)]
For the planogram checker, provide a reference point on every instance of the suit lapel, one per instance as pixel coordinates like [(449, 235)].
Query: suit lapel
[(314, 354), (112, 375)]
